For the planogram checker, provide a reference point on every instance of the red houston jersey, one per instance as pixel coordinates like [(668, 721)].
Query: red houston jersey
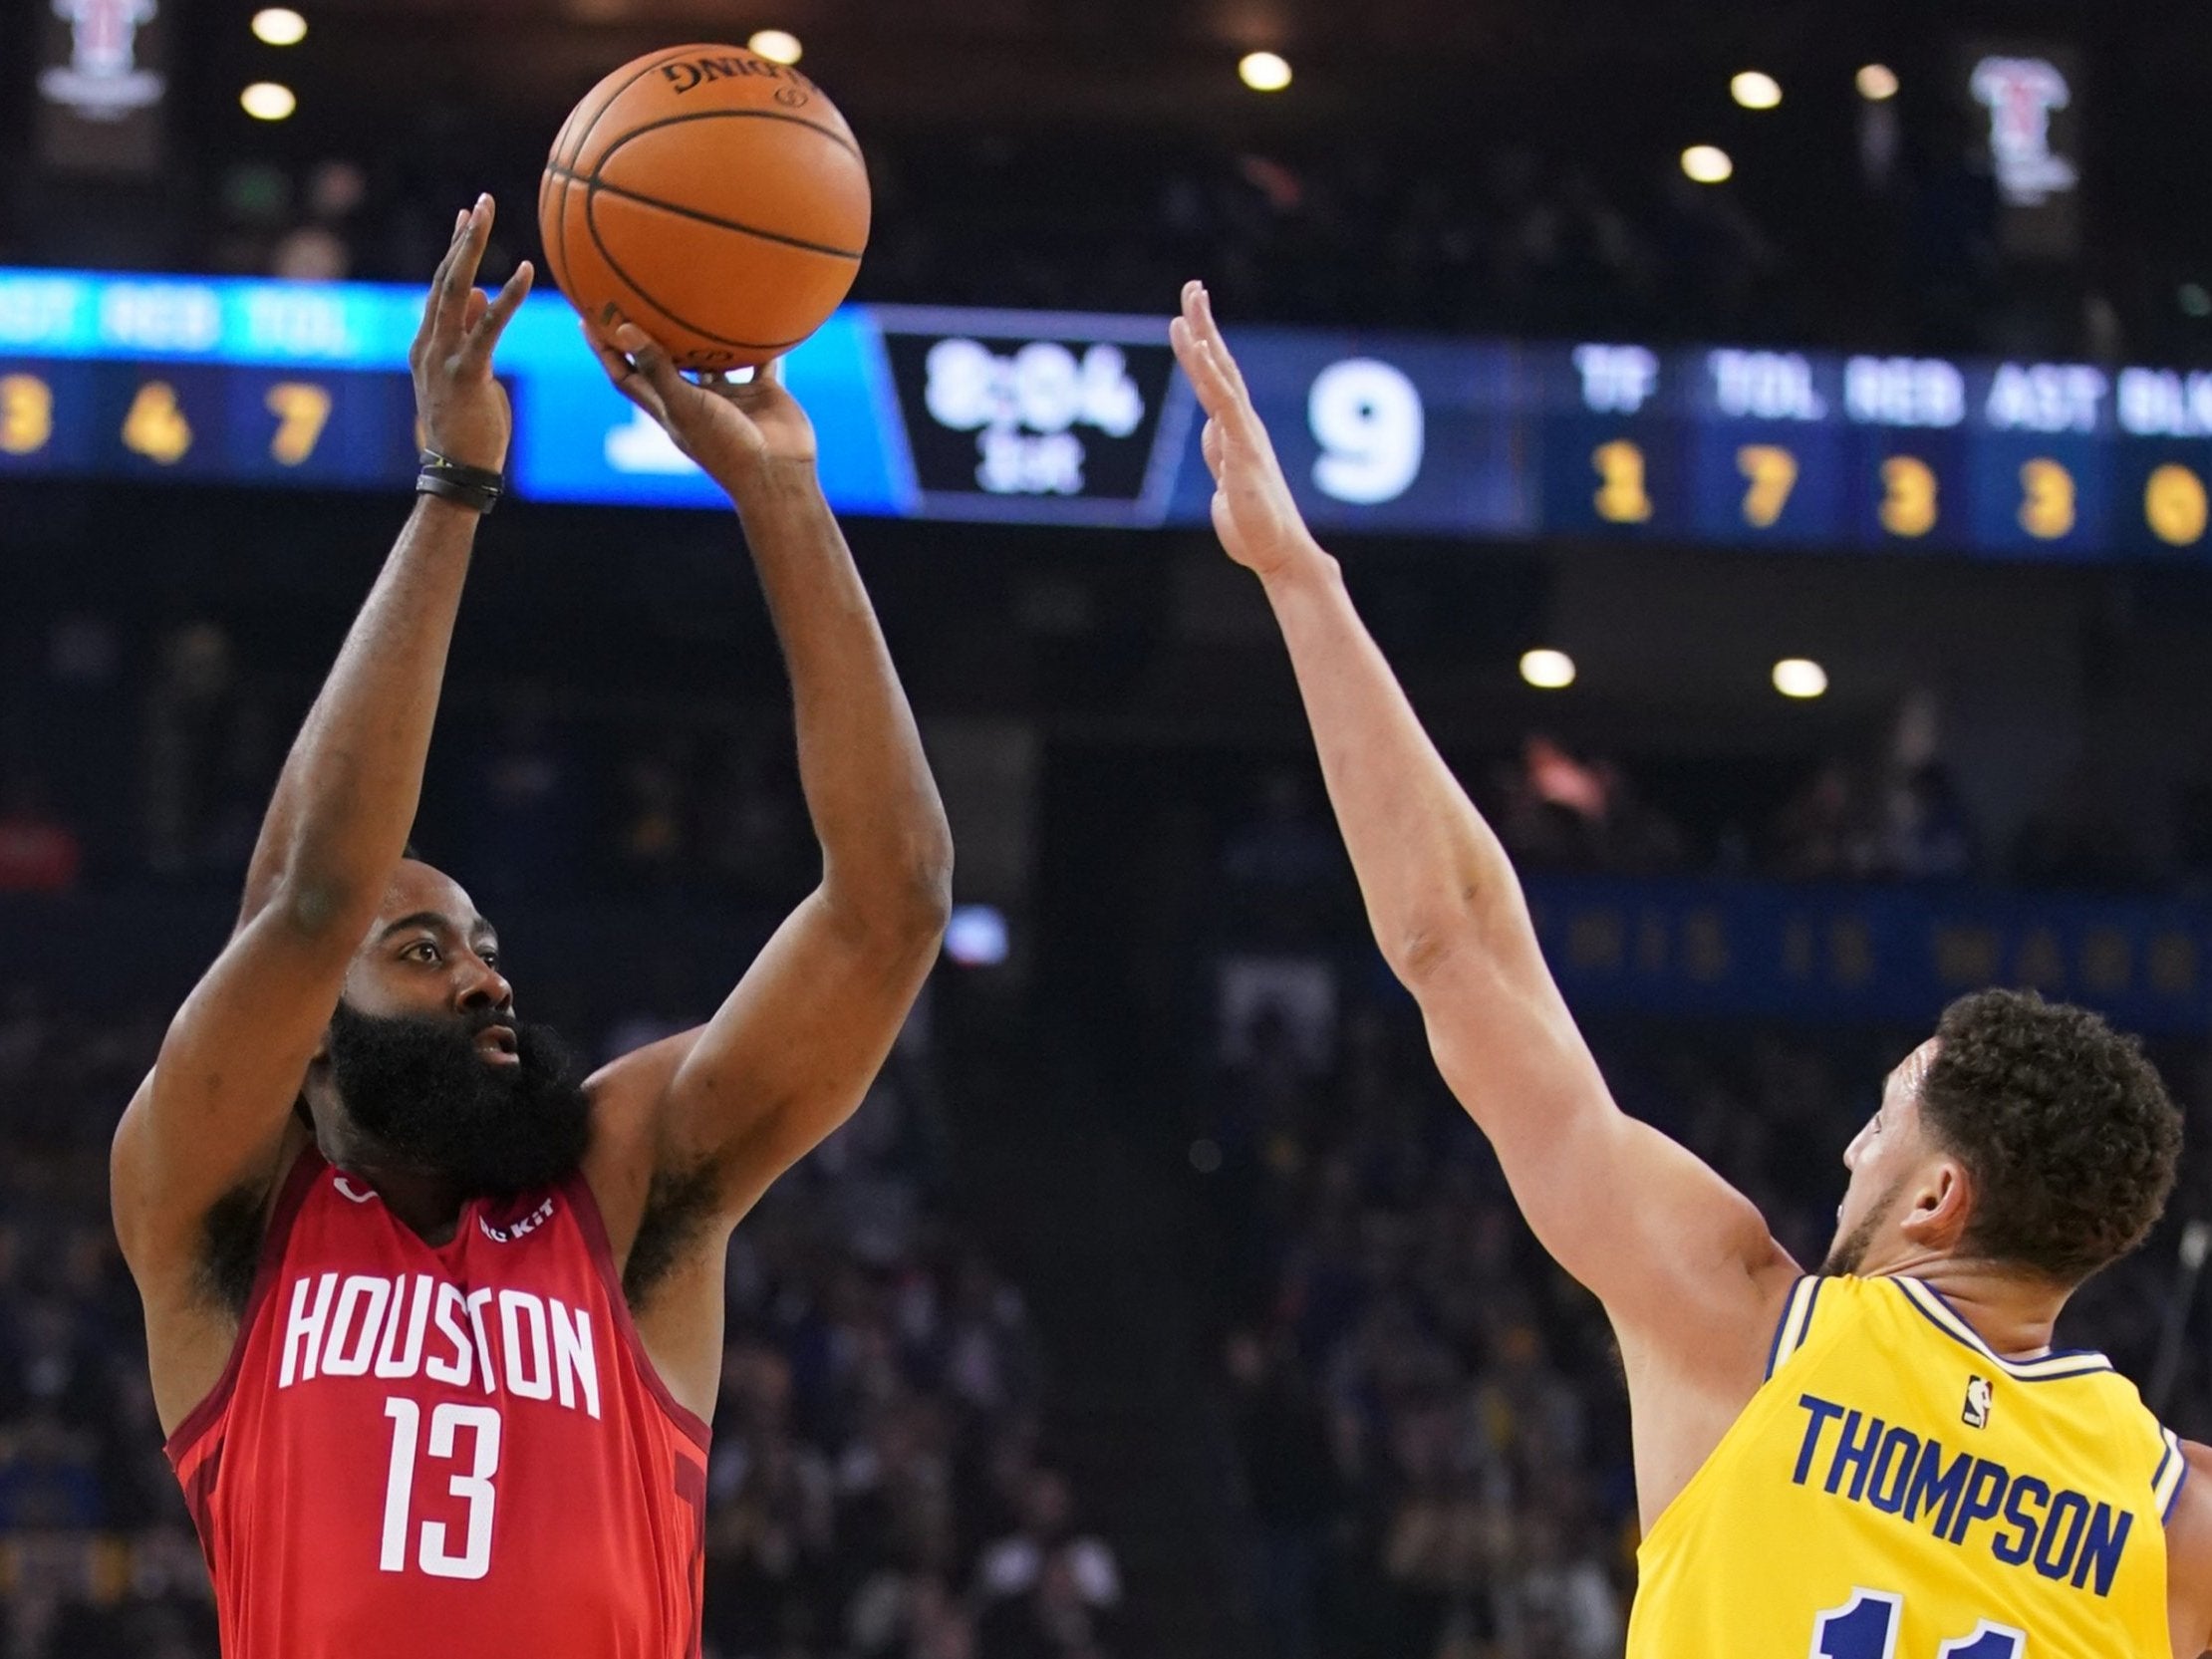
[(443, 1452)]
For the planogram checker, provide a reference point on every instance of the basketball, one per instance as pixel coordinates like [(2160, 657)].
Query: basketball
[(712, 197)]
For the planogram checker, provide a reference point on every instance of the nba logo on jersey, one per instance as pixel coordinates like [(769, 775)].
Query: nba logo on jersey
[(1976, 1414)]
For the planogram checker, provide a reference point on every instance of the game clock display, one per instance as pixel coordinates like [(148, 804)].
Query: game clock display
[(1080, 420)]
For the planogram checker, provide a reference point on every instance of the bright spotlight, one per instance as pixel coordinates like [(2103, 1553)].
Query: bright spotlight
[(1546, 669), (1706, 164), (1877, 81), (975, 936), (778, 46), (1800, 676), (268, 100), (1755, 89), (1264, 70), (279, 26)]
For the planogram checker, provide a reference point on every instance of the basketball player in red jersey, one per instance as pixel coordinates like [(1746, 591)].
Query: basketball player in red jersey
[(435, 1326)]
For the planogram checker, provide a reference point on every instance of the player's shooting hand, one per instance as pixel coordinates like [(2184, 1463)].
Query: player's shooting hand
[(1253, 514), (734, 430), (463, 411)]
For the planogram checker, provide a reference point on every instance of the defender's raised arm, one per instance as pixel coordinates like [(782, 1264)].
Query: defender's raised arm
[(208, 1123), (1663, 1241)]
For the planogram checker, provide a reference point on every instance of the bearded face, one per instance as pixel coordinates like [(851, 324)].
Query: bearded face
[(493, 1105)]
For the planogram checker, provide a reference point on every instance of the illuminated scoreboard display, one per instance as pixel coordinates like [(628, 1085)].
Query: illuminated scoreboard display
[(1069, 418), (1746, 446)]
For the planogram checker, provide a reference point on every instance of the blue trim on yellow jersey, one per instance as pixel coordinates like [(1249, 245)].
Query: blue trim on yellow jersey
[(1781, 1323), (1796, 1321), (2050, 1367), (2173, 1466)]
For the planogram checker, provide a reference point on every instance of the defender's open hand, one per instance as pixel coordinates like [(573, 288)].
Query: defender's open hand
[(1254, 513), (463, 411)]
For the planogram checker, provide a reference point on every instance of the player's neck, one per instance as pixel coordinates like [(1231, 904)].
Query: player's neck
[(426, 1204), (2014, 1315)]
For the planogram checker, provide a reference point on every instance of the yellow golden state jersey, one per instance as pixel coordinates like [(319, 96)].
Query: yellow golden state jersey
[(1897, 1490)]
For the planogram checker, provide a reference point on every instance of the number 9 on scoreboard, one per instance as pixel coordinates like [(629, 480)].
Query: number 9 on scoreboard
[(1366, 416)]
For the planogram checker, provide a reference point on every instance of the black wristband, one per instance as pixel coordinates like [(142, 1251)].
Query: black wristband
[(472, 487)]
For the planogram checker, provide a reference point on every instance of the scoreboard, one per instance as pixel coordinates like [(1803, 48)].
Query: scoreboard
[(1071, 418)]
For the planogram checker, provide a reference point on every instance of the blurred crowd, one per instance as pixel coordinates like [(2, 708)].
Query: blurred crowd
[(877, 1489), (1868, 815), (155, 748), (1431, 1423)]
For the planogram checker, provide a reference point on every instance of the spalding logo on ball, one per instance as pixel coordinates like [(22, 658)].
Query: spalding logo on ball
[(714, 198)]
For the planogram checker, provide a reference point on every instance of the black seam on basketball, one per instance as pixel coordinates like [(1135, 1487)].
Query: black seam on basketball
[(566, 180), (834, 138), (674, 54), (594, 184), (591, 191), (556, 252), (559, 166)]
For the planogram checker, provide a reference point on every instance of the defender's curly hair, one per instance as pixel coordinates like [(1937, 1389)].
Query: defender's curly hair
[(2063, 1125)]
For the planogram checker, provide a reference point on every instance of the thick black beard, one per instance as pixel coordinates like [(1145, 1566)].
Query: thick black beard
[(423, 1097), (1848, 1255)]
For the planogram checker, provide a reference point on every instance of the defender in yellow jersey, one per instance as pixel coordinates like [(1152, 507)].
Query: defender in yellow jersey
[(1916, 1494), (1889, 1460)]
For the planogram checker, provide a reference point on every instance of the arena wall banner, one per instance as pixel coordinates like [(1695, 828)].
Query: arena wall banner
[(1075, 419), (1839, 954)]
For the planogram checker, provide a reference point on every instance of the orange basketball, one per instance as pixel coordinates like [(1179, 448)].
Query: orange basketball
[(712, 197)]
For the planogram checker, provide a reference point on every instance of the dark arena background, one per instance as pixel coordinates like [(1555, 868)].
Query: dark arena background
[(1790, 517)]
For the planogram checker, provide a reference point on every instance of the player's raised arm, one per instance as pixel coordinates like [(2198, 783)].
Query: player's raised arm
[(789, 1056), (209, 1121), (1660, 1238)]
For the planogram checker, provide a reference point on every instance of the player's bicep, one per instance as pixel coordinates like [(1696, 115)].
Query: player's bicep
[(789, 1056), (1637, 1219), (210, 1117)]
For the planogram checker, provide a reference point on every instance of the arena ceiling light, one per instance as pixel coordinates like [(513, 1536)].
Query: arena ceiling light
[(279, 26), (1754, 90), (1801, 678), (268, 100), (1264, 70), (1547, 669), (1707, 164), (1877, 81), (778, 46)]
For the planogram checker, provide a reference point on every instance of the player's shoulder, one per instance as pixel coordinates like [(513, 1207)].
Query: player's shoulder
[(627, 1095)]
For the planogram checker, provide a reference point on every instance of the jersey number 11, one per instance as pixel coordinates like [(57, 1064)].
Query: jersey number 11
[(1866, 1627)]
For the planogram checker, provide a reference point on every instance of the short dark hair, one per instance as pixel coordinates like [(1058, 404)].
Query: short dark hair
[(2063, 1125)]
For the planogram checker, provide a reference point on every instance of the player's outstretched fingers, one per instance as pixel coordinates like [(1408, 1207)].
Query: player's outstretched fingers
[(1217, 392), (428, 322), (623, 373), (486, 332), (1198, 363), (652, 361), (459, 278), (1209, 332)]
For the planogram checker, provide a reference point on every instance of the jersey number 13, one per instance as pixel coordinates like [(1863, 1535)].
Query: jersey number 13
[(436, 1557)]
